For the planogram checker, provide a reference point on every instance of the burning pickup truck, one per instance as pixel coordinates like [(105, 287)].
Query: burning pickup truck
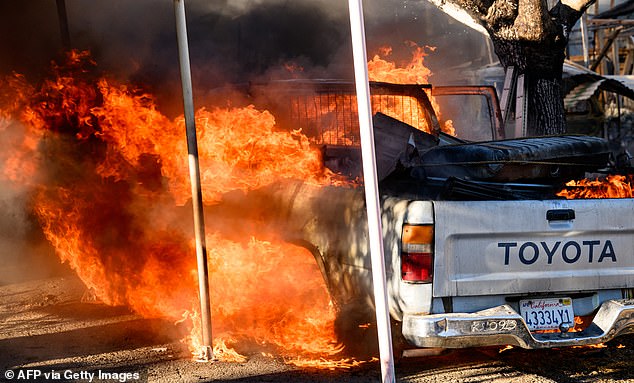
[(480, 248)]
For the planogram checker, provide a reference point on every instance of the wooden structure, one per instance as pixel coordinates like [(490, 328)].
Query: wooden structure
[(607, 40)]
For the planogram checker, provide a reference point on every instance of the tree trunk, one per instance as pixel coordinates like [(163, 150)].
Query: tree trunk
[(525, 36), (541, 64), (531, 38)]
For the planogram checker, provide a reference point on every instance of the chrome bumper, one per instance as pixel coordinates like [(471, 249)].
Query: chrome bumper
[(504, 326)]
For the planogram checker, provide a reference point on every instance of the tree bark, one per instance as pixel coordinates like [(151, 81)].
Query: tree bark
[(533, 39), (541, 64)]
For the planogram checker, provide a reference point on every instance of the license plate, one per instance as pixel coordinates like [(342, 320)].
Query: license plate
[(547, 314)]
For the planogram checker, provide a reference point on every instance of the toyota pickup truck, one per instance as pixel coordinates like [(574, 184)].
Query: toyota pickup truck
[(479, 249)]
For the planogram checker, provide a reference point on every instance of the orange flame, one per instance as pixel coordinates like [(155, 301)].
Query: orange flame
[(225, 353), (613, 186), (506, 348), (581, 323), (345, 363), (335, 114), (293, 68), (112, 174), (19, 164), (413, 72), (239, 148)]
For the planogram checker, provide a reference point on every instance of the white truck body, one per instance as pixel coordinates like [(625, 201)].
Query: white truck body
[(496, 272), (488, 255)]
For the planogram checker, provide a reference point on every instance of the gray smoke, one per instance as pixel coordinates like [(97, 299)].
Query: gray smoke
[(24, 253), (230, 41)]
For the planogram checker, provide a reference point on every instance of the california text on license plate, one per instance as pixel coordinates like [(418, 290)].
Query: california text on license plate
[(547, 314)]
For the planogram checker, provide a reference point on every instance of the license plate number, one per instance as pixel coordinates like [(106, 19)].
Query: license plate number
[(547, 314)]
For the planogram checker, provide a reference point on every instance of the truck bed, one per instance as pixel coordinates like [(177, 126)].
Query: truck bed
[(557, 157)]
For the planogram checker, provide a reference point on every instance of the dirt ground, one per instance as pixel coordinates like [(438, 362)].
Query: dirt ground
[(47, 328)]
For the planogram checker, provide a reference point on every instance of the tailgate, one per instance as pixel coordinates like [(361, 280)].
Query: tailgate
[(507, 247)]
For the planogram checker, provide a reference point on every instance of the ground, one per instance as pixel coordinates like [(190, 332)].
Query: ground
[(50, 325)]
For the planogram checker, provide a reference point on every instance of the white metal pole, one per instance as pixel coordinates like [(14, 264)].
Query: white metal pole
[(206, 352), (584, 40), (63, 23), (370, 181)]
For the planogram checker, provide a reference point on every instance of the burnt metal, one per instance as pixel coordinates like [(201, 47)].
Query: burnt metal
[(493, 104), (419, 164), (319, 106)]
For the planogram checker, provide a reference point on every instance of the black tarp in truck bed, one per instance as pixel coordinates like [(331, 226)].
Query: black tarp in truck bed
[(566, 156)]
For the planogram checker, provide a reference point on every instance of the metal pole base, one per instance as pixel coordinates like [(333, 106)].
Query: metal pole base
[(205, 355)]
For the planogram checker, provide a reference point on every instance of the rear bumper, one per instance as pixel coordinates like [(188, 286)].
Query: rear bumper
[(504, 326)]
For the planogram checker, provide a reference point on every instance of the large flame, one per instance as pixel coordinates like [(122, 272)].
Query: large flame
[(20, 139), (332, 118), (382, 69), (613, 186), (109, 177), (413, 72)]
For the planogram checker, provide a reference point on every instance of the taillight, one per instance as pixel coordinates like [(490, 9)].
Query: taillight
[(418, 253)]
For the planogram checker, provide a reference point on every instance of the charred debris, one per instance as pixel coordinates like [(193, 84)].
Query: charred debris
[(513, 169), (414, 164)]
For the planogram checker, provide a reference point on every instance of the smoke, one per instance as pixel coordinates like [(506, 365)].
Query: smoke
[(14, 225), (231, 41), (126, 210), (29, 36), (24, 253)]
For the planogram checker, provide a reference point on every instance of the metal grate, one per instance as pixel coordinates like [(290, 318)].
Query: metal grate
[(326, 118), (327, 112), (331, 118)]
